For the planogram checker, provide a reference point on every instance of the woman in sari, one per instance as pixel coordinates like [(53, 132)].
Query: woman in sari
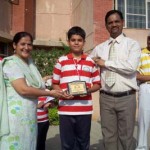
[(20, 85)]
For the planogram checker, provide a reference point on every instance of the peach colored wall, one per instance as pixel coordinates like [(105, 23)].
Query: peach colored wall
[(52, 21), (138, 35), (82, 15)]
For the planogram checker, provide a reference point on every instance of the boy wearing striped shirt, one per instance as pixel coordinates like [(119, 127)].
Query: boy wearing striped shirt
[(44, 102), (43, 121), (144, 97), (76, 110)]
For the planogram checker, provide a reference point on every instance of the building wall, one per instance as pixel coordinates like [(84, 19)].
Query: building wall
[(90, 14), (138, 35), (82, 15), (52, 21), (101, 7), (18, 17), (6, 21), (53, 18), (29, 24), (23, 18)]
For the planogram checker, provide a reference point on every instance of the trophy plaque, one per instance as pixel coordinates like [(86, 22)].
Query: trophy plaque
[(77, 88)]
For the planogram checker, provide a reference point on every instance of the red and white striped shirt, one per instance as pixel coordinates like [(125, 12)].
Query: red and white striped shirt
[(42, 114), (1, 58), (68, 69)]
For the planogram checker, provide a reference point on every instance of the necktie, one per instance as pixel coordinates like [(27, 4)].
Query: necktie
[(110, 77)]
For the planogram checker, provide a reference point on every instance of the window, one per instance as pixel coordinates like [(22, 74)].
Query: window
[(136, 13), (3, 48)]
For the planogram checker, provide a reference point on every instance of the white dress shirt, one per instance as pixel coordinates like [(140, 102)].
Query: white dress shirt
[(128, 54)]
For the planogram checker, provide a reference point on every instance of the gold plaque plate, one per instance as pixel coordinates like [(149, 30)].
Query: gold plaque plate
[(77, 88)]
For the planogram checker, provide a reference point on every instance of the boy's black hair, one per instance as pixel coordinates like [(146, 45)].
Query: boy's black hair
[(109, 13), (76, 31)]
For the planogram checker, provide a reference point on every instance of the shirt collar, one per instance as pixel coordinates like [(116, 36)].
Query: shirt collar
[(118, 39), (145, 50), (70, 56)]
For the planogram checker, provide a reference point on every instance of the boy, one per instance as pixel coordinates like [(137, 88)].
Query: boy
[(43, 121), (2, 56), (44, 102), (75, 111)]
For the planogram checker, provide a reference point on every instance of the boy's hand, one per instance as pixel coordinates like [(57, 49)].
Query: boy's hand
[(83, 95), (49, 105), (67, 95), (46, 78), (40, 105)]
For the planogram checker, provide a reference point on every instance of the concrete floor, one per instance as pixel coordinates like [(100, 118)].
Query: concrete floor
[(53, 139)]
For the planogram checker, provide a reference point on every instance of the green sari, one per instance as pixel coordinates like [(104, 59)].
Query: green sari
[(9, 100)]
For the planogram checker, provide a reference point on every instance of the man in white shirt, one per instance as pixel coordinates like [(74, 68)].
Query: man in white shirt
[(118, 59)]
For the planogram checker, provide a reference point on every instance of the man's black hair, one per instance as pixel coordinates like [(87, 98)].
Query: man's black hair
[(109, 13), (76, 31)]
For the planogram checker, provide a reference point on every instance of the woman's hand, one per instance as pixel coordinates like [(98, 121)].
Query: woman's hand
[(57, 93)]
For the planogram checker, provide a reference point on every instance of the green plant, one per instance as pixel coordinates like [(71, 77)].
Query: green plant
[(53, 116), (45, 61)]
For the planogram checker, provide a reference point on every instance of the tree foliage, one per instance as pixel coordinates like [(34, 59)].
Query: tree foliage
[(45, 61)]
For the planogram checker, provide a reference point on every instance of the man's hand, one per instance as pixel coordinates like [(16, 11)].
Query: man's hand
[(100, 62), (96, 59)]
